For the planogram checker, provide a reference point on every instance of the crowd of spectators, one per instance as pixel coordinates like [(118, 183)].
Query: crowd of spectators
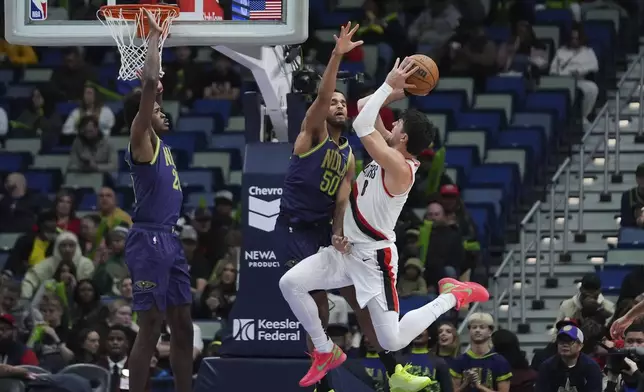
[(65, 293)]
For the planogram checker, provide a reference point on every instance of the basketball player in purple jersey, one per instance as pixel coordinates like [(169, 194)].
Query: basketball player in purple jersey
[(316, 191), (153, 252)]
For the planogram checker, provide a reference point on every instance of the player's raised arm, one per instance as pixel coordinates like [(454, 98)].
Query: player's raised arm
[(390, 159), (314, 121), (396, 95), (140, 142)]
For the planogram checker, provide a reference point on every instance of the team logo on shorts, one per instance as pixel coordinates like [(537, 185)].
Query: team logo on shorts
[(244, 329), (144, 285)]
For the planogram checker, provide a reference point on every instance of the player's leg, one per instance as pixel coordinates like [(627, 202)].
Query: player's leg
[(398, 376), (149, 282), (179, 300)]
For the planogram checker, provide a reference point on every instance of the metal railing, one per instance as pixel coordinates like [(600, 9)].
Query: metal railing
[(498, 295), (586, 153)]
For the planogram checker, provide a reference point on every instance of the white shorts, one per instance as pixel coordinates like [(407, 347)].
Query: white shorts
[(372, 272)]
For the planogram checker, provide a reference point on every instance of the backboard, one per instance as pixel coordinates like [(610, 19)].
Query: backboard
[(201, 23)]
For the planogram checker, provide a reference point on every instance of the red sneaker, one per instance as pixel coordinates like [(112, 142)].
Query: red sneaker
[(322, 364), (465, 292)]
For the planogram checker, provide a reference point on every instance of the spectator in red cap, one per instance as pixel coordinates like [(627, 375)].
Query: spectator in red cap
[(13, 352), (456, 212)]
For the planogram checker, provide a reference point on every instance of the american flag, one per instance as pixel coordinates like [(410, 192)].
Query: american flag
[(266, 9)]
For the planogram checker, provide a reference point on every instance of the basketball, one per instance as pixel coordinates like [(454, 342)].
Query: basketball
[(425, 78)]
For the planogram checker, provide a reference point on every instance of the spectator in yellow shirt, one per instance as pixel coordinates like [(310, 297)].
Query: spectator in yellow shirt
[(111, 216), (18, 54)]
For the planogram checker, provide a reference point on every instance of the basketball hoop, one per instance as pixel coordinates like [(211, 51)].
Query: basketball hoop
[(130, 29)]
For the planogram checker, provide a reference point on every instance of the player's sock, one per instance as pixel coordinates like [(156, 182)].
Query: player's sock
[(389, 360), (323, 345), (416, 321)]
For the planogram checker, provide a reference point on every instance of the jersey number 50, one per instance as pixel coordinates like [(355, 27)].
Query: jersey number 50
[(330, 183)]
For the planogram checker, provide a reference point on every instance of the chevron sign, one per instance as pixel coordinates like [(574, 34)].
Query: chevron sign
[(262, 214)]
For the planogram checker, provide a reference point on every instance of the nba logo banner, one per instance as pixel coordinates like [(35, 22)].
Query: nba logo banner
[(261, 321), (38, 10)]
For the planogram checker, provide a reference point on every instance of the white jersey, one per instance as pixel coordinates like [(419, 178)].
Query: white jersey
[(373, 211)]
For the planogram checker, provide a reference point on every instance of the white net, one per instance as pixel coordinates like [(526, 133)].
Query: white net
[(129, 29)]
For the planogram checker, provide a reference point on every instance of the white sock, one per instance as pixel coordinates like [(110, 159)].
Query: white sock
[(306, 311), (415, 322)]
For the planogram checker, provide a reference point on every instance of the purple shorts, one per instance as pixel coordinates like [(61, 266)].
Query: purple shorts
[(159, 269)]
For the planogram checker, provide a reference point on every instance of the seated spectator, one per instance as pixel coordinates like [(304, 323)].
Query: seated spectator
[(87, 347), (9, 296), (12, 351), (455, 210), (631, 289), (50, 339), (111, 214), (218, 298), (64, 282), (66, 212), (523, 53), (85, 309), (624, 366), (34, 246), (589, 297), (182, 78), (200, 268), (18, 55), (481, 367), (69, 80), (569, 369), (448, 344), (91, 151), (18, 205), (124, 288), (66, 249), (411, 282), (471, 54), (119, 315), (434, 26), (507, 345), (223, 82), (163, 346), (441, 246), (373, 365), (578, 60), (91, 106), (632, 203), (113, 270), (118, 343), (541, 355), (39, 119), (424, 363), (88, 234)]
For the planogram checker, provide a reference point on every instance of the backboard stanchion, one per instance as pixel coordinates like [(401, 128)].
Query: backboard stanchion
[(273, 77)]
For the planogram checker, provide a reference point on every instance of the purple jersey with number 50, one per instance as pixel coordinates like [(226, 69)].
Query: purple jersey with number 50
[(157, 189)]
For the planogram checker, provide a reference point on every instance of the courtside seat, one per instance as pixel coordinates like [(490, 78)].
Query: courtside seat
[(196, 124), (235, 177), (492, 198), (43, 181), (14, 161), (84, 180), (452, 173), (502, 175), (51, 161), (7, 240), (202, 179), (213, 107), (624, 257), (531, 139), (481, 218), (489, 120), (507, 84), (468, 138), (450, 101), (439, 120), (65, 108), (542, 120), (465, 85), (631, 238), (509, 155), (31, 145), (612, 278), (567, 83), (236, 141), (548, 32), (495, 101), (461, 158), (187, 141), (206, 160), (236, 124), (555, 16), (556, 101), (89, 201)]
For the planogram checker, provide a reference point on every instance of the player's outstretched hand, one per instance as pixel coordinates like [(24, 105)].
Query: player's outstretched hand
[(152, 20), (343, 44), (341, 244), (397, 77)]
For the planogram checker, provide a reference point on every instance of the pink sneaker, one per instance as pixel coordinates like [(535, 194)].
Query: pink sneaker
[(465, 292), (322, 364)]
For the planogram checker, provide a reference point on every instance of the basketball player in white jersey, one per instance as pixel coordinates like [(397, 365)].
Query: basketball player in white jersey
[(364, 254)]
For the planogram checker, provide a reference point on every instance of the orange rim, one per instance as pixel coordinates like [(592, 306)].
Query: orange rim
[(135, 12)]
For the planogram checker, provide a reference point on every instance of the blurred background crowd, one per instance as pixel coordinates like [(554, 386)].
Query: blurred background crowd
[(65, 207)]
